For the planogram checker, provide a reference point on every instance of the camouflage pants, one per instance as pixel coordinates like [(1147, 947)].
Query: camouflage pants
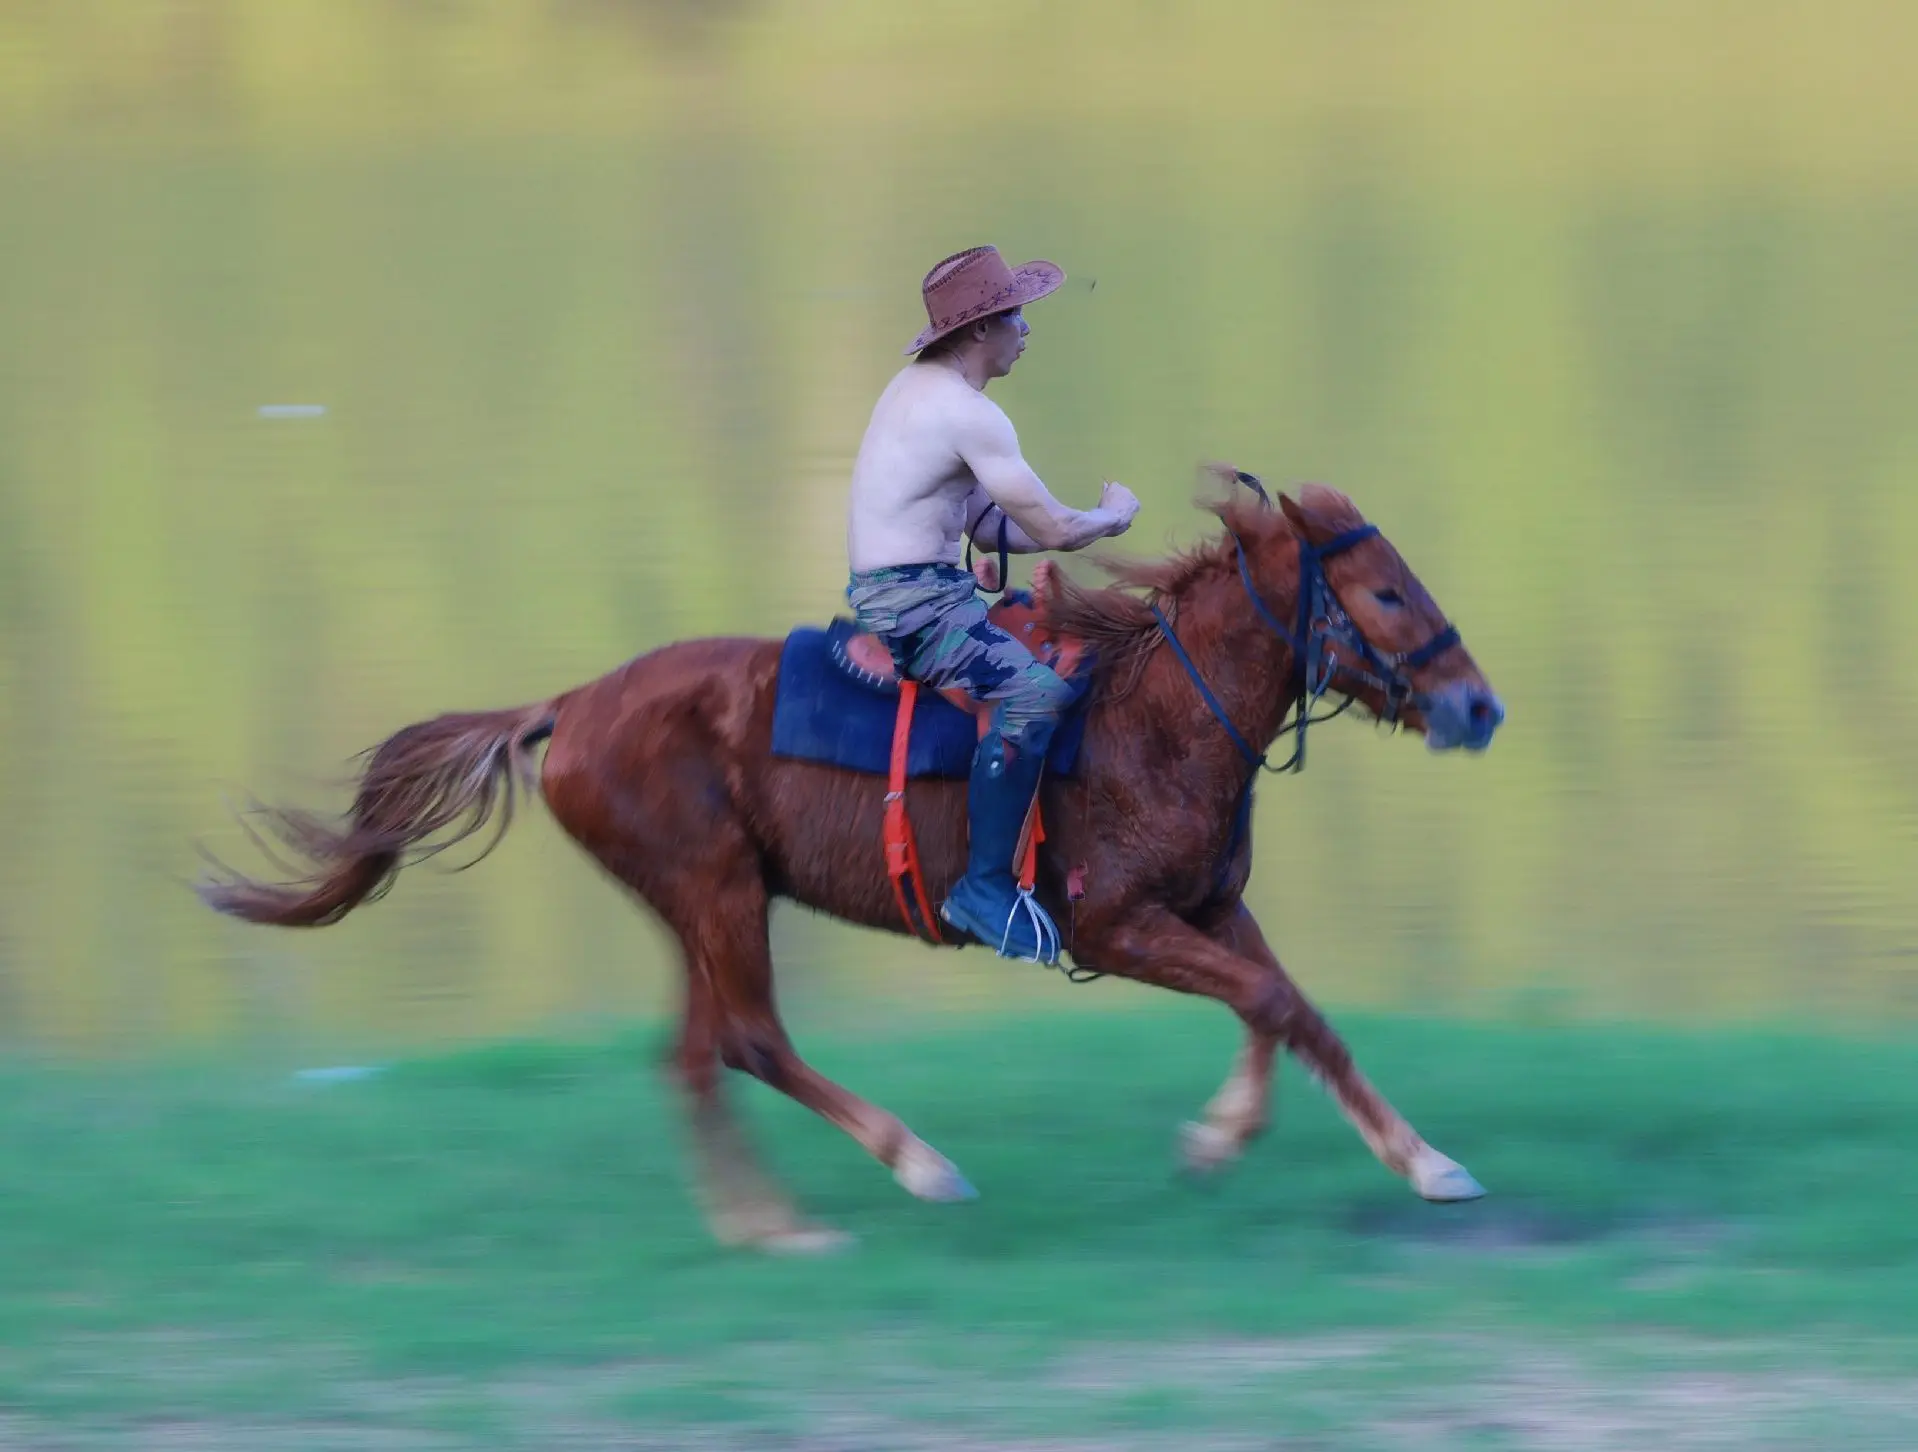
[(931, 618)]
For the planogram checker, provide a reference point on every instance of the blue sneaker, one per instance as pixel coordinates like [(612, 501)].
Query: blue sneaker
[(987, 902)]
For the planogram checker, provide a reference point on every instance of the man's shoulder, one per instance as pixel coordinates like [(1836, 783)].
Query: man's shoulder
[(972, 411), (941, 399)]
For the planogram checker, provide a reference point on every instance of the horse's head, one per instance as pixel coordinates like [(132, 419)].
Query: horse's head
[(1384, 638), (1364, 626)]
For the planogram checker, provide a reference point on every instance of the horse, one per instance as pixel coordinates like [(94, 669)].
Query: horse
[(662, 771)]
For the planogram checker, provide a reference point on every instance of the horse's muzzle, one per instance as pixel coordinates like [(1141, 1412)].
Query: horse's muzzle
[(1463, 714)]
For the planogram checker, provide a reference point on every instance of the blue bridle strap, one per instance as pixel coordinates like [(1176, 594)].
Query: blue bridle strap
[(1432, 649), (1252, 757)]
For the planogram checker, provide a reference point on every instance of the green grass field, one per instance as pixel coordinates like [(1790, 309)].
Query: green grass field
[(1691, 1240)]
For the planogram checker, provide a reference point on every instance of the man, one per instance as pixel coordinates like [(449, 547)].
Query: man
[(941, 461)]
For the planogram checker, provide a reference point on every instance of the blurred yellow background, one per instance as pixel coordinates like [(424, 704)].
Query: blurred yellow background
[(1604, 313)]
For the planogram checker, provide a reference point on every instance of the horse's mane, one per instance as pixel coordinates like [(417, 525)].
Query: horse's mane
[(1117, 624)]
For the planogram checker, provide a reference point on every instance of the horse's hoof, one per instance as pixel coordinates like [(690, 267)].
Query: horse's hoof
[(929, 1175), (1205, 1147), (1440, 1179), (805, 1240)]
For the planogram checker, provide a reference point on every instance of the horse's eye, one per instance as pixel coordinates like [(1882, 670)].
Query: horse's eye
[(1391, 599)]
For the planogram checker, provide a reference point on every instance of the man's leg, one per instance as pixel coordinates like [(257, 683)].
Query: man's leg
[(990, 665), (935, 625)]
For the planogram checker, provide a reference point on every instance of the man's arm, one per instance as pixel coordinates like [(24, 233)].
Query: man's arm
[(986, 441), (983, 519)]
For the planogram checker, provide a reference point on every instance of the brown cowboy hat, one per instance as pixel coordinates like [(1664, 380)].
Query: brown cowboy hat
[(976, 283)]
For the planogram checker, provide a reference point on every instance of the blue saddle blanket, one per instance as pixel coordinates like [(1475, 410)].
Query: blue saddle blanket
[(826, 709)]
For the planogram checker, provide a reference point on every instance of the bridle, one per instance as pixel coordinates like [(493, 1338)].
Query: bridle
[(1323, 631), (1325, 643)]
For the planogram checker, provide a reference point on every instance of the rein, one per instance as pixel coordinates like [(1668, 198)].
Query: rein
[(1005, 577), (1323, 630)]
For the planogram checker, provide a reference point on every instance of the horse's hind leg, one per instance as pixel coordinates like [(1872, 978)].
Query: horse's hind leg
[(742, 1205), (754, 1041)]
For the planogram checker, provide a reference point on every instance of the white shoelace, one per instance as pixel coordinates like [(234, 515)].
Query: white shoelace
[(1045, 933)]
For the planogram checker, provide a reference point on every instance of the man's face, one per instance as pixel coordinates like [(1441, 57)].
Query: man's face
[(1005, 340)]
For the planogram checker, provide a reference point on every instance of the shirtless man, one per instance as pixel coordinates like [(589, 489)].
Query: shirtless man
[(938, 456)]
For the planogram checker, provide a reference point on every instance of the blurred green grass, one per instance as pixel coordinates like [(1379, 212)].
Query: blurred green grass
[(210, 1242)]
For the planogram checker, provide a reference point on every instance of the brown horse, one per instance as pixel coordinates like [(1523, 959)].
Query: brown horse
[(661, 769)]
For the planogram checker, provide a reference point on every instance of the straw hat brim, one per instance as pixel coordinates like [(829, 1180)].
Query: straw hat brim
[(1030, 282)]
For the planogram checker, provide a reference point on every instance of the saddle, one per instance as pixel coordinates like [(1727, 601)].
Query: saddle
[(840, 702)]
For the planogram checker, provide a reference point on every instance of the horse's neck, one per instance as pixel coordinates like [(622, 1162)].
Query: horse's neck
[(1244, 661)]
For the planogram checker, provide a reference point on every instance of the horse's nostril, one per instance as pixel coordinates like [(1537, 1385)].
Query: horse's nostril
[(1484, 713)]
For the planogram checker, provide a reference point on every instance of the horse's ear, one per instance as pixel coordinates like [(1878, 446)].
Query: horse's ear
[(1294, 511), (1320, 511), (1219, 473), (1231, 476)]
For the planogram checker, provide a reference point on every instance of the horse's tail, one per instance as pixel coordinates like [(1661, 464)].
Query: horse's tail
[(419, 781)]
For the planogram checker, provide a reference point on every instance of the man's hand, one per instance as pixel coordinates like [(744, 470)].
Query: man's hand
[(986, 572), (1121, 503)]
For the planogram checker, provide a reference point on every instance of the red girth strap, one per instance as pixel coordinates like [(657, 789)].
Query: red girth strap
[(902, 850)]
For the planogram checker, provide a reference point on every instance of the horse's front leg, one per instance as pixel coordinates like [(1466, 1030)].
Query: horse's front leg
[(1240, 1111), (1237, 1114), (1234, 966)]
